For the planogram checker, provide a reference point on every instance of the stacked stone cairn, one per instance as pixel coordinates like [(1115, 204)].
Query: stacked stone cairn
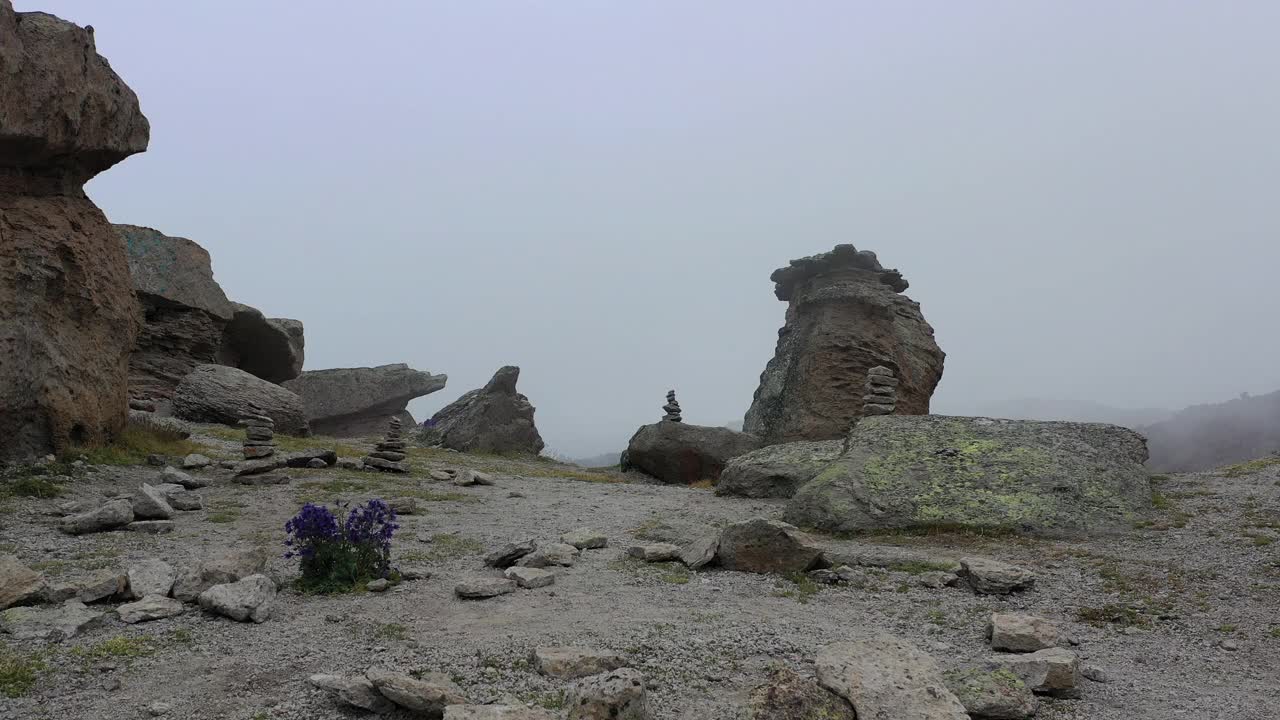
[(672, 408), (259, 434), (882, 392), (389, 455)]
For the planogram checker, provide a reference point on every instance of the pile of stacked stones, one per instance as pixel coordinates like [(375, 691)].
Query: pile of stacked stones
[(389, 455), (672, 408), (259, 434), (882, 393)]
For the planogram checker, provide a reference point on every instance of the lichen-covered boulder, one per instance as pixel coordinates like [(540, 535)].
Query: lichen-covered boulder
[(221, 394), (846, 314), (354, 402), (495, 419), (787, 696), (777, 471), (970, 472), (682, 454), (68, 316)]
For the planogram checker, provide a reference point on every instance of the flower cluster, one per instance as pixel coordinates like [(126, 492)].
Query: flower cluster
[(337, 553)]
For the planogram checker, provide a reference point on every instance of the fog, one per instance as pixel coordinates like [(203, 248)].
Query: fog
[(1083, 195)]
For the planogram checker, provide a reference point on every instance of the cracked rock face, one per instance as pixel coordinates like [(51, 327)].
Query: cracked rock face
[(68, 316), (845, 315)]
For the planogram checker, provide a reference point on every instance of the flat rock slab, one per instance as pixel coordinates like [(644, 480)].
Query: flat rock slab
[(569, 663), (585, 539), (767, 546), (885, 677), (356, 691), (385, 465), (655, 552), (553, 554), (530, 578), (483, 588), (151, 607), (1020, 632), (103, 586), (429, 694), (195, 461), (109, 516), (49, 624), (256, 467), (508, 554), (177, 477), (787, 696)]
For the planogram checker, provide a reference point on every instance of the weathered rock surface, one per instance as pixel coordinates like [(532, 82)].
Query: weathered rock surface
[(700, 551), (495, 418), (617, 695), (568, 663), (508, 554), (530, 578), (429, 694), (655, 552), (249, 599), (150, 577), (884, 677), (483, 588), (777, 470), (787, 696), (151, 607), (357, 691), (111, 515), (989, 690), (19, 584), (1053, 671), (351, 402), (845, 315), (50, 624), (1020, 632), (585, 539), (681, 453), (221, 394), (68, 315), (105, 585), (929, 470), (151, 504), (767, 546), (992, 577)]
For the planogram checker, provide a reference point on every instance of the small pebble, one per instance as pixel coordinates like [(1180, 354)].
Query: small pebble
[(156, 709), (1229, 644), (110, 684), (379, 585)]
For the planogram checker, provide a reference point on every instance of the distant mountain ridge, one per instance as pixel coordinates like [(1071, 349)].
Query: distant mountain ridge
[(1203, 437)]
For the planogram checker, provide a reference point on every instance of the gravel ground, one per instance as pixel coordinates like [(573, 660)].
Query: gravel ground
[(1157, 603)]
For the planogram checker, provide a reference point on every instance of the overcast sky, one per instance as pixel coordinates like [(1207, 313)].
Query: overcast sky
[(1082, 194)]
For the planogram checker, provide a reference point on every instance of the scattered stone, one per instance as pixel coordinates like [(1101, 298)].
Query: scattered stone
[(585, 539), (990, 690), (1054, 671), (76, 507), (60, 593), (617, 695), (483, 587), (1095, 673), (937, 579), (701, 551), (185, 501), (655, 552), (1229, 645), (413, 572), (258, 472), (441, 475), (111, 515), (154, 527), (249, 599), (150, 504), (150, 577), (467, 478), (158, 709), (560, 554), (767, 546), (787, 696), (569, 663), (886, 677), (348, 464), (403, 505), (316, 463), (355, 691), (508, 554), (379, 585), (151, 607), (992, 577), (49, 624), (529, 577), (104, 586), (428, 694), (1019, 632), (495, 712), (195, 461), (19, 585), (177, 477)]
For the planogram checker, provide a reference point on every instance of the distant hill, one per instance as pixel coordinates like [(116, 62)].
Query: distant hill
[(1204, 437), (603, 460), (1074, 411)]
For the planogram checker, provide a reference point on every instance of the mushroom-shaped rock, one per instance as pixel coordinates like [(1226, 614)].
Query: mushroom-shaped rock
[(351, 402)]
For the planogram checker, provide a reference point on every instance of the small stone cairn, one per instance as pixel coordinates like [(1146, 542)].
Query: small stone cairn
[(882, 393), (672, 408), (259, 434), (389, 455)]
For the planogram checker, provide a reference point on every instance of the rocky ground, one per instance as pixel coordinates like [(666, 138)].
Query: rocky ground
[(1179, 615)]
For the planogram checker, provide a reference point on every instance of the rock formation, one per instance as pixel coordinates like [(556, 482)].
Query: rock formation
[(672, 408), (680, 453), (221, 394), (189, 321), (389, 454), (494, 419), (846, 314), (353, 402), (922, 471), (68, 318)]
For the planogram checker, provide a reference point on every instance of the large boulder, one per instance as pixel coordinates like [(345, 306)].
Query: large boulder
[(188, 320), (353, 402), (927, 471), (777, 471), (845, 315), (761, 545), (494, 419), (680, 453), (68, 316), (221, 394)]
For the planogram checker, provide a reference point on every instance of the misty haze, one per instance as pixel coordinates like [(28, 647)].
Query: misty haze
[(568, 360)]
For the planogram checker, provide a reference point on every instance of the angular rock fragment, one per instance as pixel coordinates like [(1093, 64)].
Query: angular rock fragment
[(568, 663)]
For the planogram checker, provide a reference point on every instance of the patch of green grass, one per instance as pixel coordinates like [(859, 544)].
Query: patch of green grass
[(390, 631), (445, 546), (18, 672), (117, 647), (1159, 478), (1160, 502), (936, 617), (674, 573), (1259, 539), (1250, 467), (1225, 629), (802, 588), (133, 445), (571, 474), (1112, 613), (1274, 632), (223, 516), (31, 486)]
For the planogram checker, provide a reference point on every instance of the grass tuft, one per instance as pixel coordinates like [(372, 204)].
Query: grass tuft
[(1250, 467), (133, 445), (18, 673)]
